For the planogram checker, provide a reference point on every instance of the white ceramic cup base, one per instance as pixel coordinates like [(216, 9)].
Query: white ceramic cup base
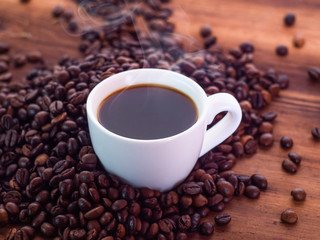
[(160, 163)]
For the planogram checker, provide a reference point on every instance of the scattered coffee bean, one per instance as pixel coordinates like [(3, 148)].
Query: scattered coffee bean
[(289, 19), (298, 41), (3, 67), (315, 133), (295, 158), (247, 47), (282, 50), (57, 11), (4, 47), (289, 166), (252, 191), (286, 142), (298, 194), (34, 56), (289, 216), (3, 217), (222, 219), (19, 60), (314, 73), (259, 181), (266, 140), (205, 31), (206, 228)]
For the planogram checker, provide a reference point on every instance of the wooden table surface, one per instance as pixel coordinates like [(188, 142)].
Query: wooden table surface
[(30, 26)]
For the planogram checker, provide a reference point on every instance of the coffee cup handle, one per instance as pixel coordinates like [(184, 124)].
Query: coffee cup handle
[(217, 103)]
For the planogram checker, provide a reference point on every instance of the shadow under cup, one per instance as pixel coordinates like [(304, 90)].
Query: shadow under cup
[(157, 163)]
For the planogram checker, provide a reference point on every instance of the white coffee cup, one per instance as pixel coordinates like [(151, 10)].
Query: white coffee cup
[(161, 163)]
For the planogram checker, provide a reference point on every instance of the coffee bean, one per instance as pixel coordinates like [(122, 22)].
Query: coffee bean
[(19, 60), (206, 228), (315, 133), (282, 50), (5, 77), (294, 157), (259, 181), (225, 188), (289, 19), (28, 230), (57, 11), (289, 216), (298, 40), (94, 213), (3, 217), (3, 67), (252, 191), (247, 47), (298, 194), (250, 146), (77, 234), (266, 139), (4, 47), (222, 219), (47, 229), (191, 188), (289, 166), (314, 73), (205, 31), (34, 56), (286, 142)]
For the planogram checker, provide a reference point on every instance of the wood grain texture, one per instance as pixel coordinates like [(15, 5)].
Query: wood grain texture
[(298, 108)]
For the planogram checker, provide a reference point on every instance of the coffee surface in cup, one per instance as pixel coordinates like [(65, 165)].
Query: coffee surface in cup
[(147, 112)]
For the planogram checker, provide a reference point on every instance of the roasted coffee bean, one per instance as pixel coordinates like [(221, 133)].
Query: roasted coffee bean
[(289, 216), (94, 213), (60, 221), (39, 219), (286, 142), (250, 146), (77, 234), (252, 191), (47, 229), (298, 194), (259, 181), (12, 196), (19, 60), (225, 188), (12, 208), (29, 230), (3, 217), (222, 219), (289, 19), (184, 222), (191, 188), (266, 139), (34, 56), (289, 166), (315, 133), (294, 157), (282, 50), (298, 40), (247, 47), (205, 31), (84, 204), (33, 208), (206, 228), (4, 47), (3, 67), (57, 11), (314, 73)]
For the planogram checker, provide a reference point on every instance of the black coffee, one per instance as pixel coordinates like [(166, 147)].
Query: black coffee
[(147, 112)]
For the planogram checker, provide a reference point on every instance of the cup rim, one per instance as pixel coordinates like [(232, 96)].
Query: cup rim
[(201, 115)]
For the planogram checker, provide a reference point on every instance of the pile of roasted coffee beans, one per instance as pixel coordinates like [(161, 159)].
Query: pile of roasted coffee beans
[(52, 182)]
